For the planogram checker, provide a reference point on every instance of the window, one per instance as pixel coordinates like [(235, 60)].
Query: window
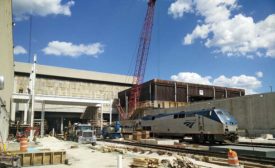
[(190, 115), (181, 115), (21, 90), (220, 113)]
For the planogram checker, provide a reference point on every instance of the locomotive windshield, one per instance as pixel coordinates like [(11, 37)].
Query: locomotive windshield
[(226, 118)]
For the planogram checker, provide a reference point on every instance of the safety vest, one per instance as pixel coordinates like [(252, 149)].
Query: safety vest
[(233, 158)]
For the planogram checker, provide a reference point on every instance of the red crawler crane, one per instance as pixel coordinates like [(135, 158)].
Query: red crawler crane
[(141, 60)]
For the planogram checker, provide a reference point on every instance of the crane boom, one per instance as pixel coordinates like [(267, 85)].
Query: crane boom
[(141, 60)]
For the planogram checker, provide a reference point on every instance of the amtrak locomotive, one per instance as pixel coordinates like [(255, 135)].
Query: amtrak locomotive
[(212, 125)]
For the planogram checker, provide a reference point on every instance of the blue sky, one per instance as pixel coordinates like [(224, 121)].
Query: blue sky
[(226, 42)]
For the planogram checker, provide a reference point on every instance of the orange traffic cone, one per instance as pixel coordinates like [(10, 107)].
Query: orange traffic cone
[(233, 158)]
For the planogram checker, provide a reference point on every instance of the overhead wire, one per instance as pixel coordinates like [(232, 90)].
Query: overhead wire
[(30, 38), (158, 42), (130, 71)]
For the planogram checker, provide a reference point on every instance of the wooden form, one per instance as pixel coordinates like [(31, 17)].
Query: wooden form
[(41, 158)]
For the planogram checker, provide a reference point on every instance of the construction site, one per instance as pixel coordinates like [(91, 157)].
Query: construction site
[(58, 116)]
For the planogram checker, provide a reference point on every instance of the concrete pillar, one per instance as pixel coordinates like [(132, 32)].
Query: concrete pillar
[(187, 93), (126, 105), (225, 93), (111, 111), (156, 96), (119, 161), (25, 118), (175, 92), (101, 117), (214, 93), (61, 124), (13, 108), (42, 119), (150, 91)]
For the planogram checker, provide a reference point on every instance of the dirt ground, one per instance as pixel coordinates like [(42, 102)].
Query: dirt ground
[(86, 156)]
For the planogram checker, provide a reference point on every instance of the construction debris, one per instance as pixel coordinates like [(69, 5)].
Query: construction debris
[(145, 162), (137, 136), (145, 134), (180, 162)]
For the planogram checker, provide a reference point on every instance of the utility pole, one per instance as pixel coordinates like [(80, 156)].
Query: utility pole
[(270, 88), (32, 95)]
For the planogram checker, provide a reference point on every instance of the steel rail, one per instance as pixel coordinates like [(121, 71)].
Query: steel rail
[(255, 159)]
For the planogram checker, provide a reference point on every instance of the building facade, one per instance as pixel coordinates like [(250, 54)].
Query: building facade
[(67, 95), (6, 64), (158, 93)]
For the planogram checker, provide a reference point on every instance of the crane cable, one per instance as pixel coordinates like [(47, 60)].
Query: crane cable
[(30, 38)]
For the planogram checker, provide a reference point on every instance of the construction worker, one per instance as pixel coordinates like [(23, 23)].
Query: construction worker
[(233, 158)]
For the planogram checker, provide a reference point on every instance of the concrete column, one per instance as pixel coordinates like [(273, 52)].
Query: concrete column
[(13, 106), (187, 93), (126, 105), (150, 91), (25, 118), (111, 111), (214, 93), (101, 117), (175, 92), (61, 124), (42, 119), (119, 161), (156, 96), (225, 93)]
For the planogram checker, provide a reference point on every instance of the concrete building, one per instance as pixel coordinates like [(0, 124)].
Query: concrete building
[(158, 93), (67, 95), (6, 64), (255, 113)]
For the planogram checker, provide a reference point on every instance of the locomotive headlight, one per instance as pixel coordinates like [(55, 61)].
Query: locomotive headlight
[(1, 82)]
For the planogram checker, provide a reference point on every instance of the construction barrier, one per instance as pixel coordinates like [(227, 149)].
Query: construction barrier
[(23, 144), (233, 158)]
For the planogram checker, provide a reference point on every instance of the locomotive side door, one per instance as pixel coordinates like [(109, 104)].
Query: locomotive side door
[(201, 123)]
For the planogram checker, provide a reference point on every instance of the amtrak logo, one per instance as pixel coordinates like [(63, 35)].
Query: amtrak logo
[(189, 124)]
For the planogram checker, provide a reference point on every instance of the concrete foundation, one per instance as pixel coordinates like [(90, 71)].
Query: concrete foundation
[(248, 151), (159, 141)]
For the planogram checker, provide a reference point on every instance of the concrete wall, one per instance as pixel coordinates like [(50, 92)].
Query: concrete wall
[(4, 119), (6, 51), (72, 88), (255, 113), (6, 64), (67, 87)]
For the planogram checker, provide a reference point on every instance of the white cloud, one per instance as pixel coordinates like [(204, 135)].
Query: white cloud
[(178, 8), (249, 83), (19, 50), (259, 74), (23, 8), (60, 48), (191, 77), (199, 32), (236, 35)]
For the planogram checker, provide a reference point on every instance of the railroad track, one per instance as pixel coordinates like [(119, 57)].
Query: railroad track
[(261, 160), (248, 144), (260, 145)]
